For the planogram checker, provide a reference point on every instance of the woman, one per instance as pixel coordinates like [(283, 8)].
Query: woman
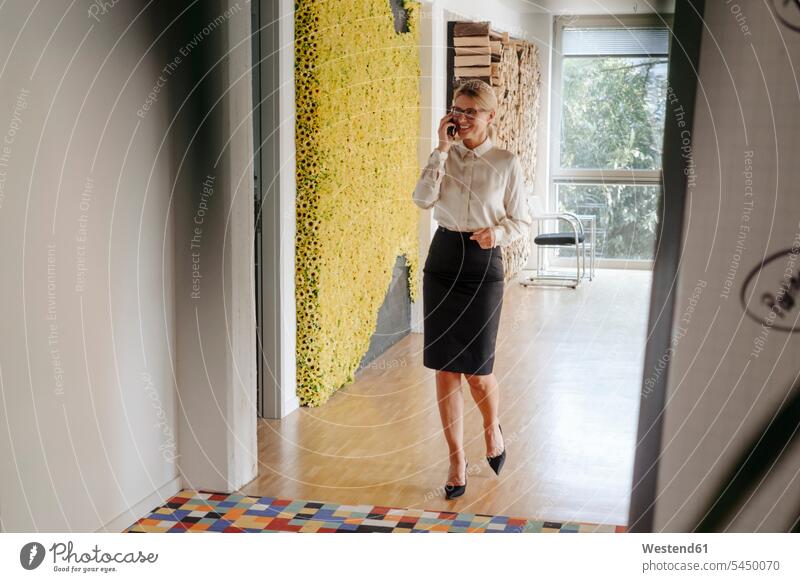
[(480, 204)]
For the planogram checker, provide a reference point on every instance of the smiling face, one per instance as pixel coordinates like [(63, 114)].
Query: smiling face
[(471, 127)]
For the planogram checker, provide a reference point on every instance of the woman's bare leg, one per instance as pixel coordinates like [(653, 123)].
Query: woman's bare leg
[(451, 411), (486, 393)]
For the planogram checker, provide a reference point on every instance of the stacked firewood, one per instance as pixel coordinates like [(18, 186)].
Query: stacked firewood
[(478, 51), (511, 66), (518, 100)]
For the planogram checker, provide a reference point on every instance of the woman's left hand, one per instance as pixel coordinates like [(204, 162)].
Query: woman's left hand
[(485, 237)]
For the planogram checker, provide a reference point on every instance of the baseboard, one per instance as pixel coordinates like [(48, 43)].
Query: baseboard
[(417, 315), (291, 404), (128, 517)]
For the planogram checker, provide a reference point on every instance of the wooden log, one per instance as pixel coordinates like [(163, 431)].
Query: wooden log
[(471, 41), (473, 61), (487, 80), (473, 71), (501, 36), (473, 50), (471, 29)]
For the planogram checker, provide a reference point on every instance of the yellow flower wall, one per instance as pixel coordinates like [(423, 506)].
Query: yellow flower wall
[(357, 97)]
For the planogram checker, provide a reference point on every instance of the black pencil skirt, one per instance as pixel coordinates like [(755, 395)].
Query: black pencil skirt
[(462, 296)]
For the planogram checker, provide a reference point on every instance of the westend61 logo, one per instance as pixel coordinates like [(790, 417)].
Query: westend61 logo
[(65, 559)]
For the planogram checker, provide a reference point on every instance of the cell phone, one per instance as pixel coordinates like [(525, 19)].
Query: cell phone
[(452, 129)]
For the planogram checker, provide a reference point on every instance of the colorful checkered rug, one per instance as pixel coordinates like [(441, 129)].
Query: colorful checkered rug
[(197, 511)]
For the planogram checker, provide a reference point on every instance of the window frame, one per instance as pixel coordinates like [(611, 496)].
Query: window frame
[(558, 175)]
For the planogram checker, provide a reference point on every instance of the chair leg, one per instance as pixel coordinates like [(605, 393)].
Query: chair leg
[(585, 258), (584, 262), (542, 276), (538, 260)]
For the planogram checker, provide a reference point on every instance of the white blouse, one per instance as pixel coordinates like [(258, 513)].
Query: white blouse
[(475, 188)]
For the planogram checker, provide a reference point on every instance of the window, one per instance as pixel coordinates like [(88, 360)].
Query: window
[(609, 100)]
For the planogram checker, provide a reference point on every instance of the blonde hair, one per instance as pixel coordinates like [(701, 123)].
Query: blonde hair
[(482, 93)]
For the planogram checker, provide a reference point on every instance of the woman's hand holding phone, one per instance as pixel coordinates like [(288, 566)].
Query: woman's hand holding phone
[(448, 132)]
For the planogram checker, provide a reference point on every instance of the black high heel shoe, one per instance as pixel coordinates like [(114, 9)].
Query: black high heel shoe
[(496, 462), (453, 491)]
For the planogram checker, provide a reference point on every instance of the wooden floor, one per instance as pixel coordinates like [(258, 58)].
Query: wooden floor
[(569, 364)]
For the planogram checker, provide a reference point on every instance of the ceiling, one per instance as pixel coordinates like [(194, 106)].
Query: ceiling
[(590, 6)]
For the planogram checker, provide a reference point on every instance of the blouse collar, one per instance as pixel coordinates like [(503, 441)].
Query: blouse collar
[(479, 150)]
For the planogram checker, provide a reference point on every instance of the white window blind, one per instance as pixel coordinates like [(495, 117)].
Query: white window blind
[(619, 41)]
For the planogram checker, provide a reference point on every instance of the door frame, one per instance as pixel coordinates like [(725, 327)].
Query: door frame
[(274, 168)]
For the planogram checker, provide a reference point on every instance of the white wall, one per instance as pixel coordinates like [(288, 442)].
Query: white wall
[(87, 375), (215, 285), (118, 393)]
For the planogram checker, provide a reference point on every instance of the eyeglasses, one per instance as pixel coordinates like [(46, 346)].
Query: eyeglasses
[(469, 113)]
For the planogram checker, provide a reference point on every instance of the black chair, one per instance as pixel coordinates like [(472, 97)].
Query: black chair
[(573, 236)]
